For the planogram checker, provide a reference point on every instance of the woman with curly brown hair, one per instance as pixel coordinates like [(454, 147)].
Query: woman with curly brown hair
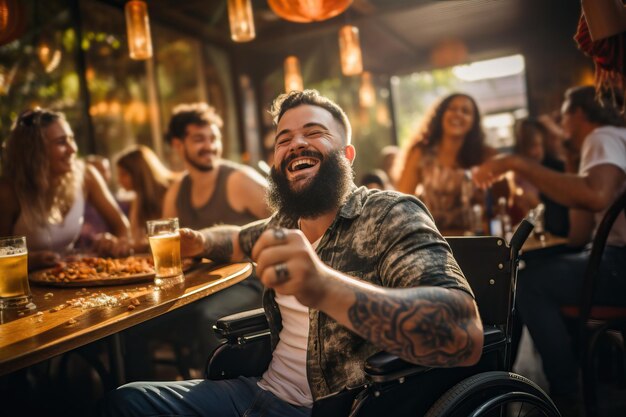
[(44, 188), (437, 161)]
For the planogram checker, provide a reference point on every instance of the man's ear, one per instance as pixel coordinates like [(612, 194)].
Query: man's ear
[(350, 153), (177, 145)]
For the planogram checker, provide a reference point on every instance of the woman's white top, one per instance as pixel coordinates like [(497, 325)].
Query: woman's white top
[(57, 237)]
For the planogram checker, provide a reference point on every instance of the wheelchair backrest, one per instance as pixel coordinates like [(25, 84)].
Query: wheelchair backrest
[(487, 265)]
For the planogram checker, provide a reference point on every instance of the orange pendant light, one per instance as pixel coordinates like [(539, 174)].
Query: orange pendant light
[(350, 50), (367, 92), (12, 20), (293, 77), (138, 27), (305, 11), (241, 20)]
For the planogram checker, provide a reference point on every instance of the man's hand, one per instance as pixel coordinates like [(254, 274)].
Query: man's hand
[(287, 262), (491, 170), (191, 243)]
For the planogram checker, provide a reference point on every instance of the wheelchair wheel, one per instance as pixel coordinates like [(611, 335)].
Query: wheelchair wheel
[(494, 394)]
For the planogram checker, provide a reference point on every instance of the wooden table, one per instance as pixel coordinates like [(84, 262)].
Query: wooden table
[(51, 329), (548, 245)]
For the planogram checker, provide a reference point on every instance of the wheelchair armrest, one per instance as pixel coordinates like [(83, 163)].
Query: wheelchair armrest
[(383, 366), (240, 324)]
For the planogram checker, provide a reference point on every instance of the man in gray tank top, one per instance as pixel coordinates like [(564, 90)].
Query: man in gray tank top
[(213, 191)]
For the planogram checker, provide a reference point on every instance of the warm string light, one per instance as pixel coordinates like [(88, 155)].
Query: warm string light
[(241, 20), (293, 77), (138, 27), (49, 57), (350, 50), (367, 92)]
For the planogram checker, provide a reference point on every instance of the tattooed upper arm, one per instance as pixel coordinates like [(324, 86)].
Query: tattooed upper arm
[(429, 326)]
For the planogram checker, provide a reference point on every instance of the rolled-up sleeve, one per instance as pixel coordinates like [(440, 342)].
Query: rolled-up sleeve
[(413, 252)]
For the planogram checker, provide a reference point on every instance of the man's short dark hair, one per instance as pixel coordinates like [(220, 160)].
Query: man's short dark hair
[(604, 108), (293, 99), (183, 115)]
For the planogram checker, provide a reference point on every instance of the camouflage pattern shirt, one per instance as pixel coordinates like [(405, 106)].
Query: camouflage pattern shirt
[(381, 237)]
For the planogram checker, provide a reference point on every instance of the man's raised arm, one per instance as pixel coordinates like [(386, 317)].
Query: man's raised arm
[(430, 326)]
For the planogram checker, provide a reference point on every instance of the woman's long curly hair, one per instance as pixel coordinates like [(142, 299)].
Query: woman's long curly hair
[(429, 136), (42, 198), (150, 180)]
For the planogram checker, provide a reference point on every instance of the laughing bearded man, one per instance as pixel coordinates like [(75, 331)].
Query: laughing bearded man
[(347, 272)]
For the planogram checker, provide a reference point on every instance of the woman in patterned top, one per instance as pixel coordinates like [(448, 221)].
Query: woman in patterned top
[(437, 161)]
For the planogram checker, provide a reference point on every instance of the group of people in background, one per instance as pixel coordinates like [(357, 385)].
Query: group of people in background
[(47, 192)]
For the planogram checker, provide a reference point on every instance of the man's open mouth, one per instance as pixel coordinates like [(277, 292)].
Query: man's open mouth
[(301, 164)]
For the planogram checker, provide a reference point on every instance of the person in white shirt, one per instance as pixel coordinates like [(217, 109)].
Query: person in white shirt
[(596, 131)]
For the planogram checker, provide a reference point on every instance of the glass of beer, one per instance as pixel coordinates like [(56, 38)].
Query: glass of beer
[(165, 245), (14, 289)]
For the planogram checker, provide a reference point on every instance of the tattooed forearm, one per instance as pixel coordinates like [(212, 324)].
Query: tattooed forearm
[(219, 243), (428, 326)]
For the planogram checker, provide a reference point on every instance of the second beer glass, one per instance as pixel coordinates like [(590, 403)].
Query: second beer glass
[(14, 289), (165, 245)]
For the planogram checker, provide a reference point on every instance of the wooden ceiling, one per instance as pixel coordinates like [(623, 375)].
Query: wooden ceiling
[(396, 35)]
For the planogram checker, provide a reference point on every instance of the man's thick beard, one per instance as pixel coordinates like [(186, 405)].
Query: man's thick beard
[(325, 192), (197, 166)]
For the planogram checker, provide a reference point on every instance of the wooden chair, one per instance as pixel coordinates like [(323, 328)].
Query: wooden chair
[(597, 320), (398, 388)]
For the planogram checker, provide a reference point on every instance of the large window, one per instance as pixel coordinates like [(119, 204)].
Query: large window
[(110, 100), (118, 86), (39, 68), (497, 85)]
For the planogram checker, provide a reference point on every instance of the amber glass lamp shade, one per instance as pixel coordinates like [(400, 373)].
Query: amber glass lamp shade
[(241, 20), (293, 77), (12, 20), (350, 50), (367, 92), (138, 27), (305, 11)]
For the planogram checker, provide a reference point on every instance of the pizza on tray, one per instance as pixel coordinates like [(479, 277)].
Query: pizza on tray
[(97, 269)]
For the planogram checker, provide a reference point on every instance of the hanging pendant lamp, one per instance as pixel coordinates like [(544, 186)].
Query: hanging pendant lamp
[(367, 92), (305, 11), (138, 27), (241, 20), (12, 20), (293, 77), (350, 50)]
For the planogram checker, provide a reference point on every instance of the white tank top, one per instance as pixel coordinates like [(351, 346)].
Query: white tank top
[(286, 375), (57, 237)]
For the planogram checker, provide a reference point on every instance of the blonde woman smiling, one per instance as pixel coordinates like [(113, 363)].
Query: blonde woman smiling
[(44, 188)]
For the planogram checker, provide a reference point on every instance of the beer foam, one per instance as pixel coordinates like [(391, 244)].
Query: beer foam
[(165, 235), (11, 251)]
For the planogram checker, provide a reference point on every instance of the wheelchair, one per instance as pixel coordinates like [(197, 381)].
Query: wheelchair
[(397, 388)]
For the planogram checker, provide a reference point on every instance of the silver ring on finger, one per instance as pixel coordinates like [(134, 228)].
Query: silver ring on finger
[(280, 234), (282, 273)]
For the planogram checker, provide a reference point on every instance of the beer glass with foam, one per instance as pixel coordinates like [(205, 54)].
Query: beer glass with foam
[(14, 289), (165, 245)]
